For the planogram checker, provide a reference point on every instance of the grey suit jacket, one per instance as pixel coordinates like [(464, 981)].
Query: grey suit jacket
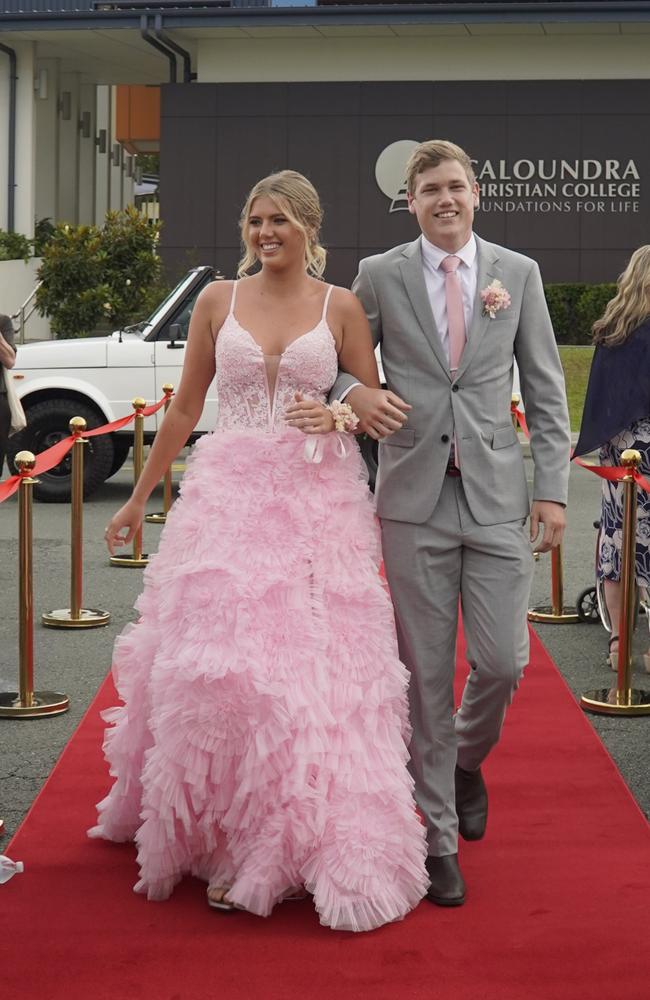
[(476, 404)]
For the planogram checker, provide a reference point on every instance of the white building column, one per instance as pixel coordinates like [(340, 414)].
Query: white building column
[(46, 167), (68, 117), (25, 157), (87, 157), (116, 158), (102, 162)]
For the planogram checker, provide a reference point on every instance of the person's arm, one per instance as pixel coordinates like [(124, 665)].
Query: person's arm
[(7, 345), (183, 414), (544, 395), (380, 411)]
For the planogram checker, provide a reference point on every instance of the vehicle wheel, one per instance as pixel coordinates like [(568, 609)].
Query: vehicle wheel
[(587, 606), (47, 423), (370, 454), (121, 448)]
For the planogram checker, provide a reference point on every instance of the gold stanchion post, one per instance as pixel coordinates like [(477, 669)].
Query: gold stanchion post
[(76, 616), (137, 558), (624, 699), (556, 614), (161, 518), (27, 703)]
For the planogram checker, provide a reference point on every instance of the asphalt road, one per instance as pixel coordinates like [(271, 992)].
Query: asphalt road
[(76, 662)]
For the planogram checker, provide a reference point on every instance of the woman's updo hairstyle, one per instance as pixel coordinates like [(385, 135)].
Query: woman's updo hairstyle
[(298, 200)]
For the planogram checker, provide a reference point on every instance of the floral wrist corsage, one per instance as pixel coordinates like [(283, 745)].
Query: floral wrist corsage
[(345, 419)]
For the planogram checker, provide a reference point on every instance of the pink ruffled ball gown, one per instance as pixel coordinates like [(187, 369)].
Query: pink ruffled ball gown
[(262, 740)]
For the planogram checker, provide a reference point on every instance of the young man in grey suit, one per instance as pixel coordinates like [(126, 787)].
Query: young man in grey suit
[(451, 489)]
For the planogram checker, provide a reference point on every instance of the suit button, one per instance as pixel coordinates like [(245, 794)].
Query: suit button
[(455, 388), (444, 438)]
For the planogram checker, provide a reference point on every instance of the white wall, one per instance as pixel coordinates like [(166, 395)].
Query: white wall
[(511, 53), (17, 280)]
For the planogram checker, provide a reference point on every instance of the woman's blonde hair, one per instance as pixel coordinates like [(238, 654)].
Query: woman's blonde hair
[(297, 199), (631, 304)]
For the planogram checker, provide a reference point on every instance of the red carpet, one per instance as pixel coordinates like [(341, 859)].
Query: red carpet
[(558, 899)]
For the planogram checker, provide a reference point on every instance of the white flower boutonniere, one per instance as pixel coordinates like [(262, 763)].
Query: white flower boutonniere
[(494, 298)]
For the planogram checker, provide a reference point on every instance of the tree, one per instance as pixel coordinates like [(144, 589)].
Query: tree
[(89, 274)]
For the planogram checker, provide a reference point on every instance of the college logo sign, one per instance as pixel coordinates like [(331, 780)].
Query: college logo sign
[(390, 172), (543, 187)]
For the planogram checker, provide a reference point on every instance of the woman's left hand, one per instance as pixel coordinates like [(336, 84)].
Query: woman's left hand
[(309, 416)]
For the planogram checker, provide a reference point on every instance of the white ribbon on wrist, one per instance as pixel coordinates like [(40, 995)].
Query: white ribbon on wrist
[(315, 446)]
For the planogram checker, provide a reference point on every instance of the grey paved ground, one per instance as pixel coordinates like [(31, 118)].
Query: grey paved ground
[(77, 662)]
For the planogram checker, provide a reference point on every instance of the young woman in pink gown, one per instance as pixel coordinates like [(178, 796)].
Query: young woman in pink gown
[(262, 741)]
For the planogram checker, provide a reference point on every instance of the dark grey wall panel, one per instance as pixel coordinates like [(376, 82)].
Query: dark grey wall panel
[(310, 99), (247, 149), (324, 150), (187, 183), (218, 139)]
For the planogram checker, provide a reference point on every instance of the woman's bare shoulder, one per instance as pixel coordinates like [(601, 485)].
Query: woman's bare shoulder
[(216, 293)]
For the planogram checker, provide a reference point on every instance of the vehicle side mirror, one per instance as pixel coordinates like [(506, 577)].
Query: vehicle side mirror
[(175, 334)]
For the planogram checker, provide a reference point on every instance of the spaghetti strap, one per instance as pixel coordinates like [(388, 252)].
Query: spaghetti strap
[(326, 303), (233, 297)]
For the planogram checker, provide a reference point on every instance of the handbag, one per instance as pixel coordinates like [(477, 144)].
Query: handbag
[(18, 418)]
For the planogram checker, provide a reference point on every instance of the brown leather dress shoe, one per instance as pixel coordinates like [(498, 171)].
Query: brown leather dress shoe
[(447, 886), (471, 803)]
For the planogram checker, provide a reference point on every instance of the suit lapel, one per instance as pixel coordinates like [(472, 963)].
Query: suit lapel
[(412, 269), (489, 268)]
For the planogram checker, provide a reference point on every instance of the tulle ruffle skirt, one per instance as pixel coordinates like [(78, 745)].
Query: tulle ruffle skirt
[(262, 740)]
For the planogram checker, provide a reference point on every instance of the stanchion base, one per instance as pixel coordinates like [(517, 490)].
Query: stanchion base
[(44, 703), (605, 701), (130, 560), (547, 616), (155, 518), (88, 618)]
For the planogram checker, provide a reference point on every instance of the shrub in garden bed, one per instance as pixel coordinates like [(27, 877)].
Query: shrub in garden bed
[(574, 307)]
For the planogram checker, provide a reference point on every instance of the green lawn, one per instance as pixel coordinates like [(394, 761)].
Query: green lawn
[(576, 362)]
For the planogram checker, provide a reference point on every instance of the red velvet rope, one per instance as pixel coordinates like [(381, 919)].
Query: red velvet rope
[(615, 473), (46, 460), (520, 418)]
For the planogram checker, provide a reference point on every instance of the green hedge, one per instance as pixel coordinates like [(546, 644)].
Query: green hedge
[(575, 307)]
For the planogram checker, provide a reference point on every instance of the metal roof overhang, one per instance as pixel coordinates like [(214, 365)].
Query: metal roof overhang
[(106, 45)]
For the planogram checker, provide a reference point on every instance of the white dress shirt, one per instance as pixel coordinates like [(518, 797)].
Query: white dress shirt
[(434, 279)]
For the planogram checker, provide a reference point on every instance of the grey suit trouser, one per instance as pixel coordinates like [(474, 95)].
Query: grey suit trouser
[(428, 566)]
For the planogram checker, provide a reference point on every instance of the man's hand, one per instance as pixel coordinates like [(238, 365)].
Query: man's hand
[(552, 518), (380, 411)]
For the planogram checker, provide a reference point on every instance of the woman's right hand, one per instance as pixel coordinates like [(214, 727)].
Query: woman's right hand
[(124, 525)]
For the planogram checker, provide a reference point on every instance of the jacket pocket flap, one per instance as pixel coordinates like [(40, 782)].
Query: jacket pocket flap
[(503, 436), (401, 439)]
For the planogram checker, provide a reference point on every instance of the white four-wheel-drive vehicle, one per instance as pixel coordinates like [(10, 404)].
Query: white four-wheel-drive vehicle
[(97, 378)]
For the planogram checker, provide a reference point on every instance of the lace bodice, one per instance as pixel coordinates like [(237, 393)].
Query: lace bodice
[(254, 389)]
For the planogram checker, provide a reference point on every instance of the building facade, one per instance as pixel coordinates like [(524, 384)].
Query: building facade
[(550, 99)]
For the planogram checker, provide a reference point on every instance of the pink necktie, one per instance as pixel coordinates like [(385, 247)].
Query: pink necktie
[(455, 325), (455, 311)]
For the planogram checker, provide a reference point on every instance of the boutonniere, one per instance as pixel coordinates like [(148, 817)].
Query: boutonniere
[(494, 298)]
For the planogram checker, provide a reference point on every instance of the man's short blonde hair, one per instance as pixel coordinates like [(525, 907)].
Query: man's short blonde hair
[(431, 154)]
